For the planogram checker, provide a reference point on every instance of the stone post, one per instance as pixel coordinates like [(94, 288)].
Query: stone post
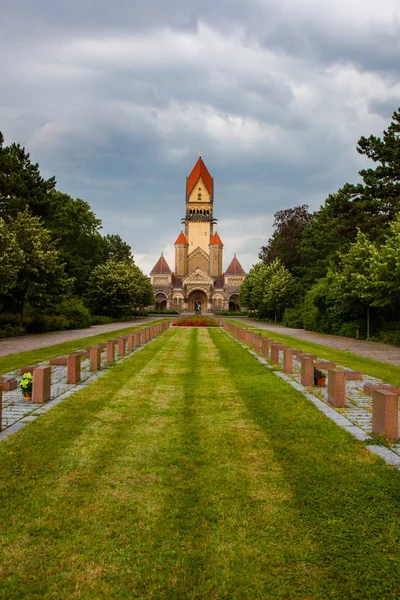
[(110, 355), (73, 368), (95, 358), (275, 352), (307, 369), (121, 346), (41, 390), (385, 414), (336, 388), (265, 347), (131, 342), (288, 360), (257, 343)]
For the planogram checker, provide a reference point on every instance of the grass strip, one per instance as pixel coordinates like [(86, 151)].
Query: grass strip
[(368, 366), (22, 359)]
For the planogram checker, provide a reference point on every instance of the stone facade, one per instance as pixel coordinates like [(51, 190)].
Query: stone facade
[(198, 283)]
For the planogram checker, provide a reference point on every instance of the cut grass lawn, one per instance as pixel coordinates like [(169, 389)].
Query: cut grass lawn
[(190, 471), (32, 357), (375, 368)]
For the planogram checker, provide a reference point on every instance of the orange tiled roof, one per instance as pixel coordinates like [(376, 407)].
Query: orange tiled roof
[(161, 267), (235, 268), (199, 170), (216, 240), (181, 239)]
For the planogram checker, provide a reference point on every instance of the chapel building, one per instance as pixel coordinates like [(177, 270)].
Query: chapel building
[(198, 283)]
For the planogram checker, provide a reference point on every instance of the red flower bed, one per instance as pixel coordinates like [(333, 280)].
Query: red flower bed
[(196, 321)]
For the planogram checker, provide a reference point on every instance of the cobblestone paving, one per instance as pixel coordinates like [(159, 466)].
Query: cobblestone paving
[(16, 409)]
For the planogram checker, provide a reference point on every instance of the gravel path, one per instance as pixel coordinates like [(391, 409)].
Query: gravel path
[(41, 340), (381, 352)]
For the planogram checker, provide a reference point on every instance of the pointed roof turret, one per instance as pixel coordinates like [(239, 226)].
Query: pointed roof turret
[(216, 240), (199, 170), (182, 239), (161, 267), (235, 268)]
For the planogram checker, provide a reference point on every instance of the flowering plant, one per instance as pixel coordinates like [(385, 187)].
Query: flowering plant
[(25, 384), (196, 321)]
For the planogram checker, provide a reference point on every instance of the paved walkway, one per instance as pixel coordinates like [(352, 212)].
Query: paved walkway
[(24, 343), (381, 352)]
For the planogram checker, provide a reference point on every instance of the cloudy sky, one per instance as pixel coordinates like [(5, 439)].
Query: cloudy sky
[(116, 99)]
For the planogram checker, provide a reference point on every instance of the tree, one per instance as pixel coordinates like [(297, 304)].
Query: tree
[(117, 249), (76, 230), (284, 243), (279, 286), (356, 276), (10, 257), (251, 294), (21, 183), (116, 288), (41, 279)]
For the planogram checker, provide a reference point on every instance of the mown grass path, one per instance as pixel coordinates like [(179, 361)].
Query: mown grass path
[(191, 471)]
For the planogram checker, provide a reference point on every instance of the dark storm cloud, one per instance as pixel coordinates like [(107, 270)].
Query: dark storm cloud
[(116, 99)]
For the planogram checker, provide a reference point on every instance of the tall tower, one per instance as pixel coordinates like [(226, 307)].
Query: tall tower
[(199, 217)]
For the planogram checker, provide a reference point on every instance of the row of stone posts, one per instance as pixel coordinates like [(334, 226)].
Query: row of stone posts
[(41, 389), (385, 397)]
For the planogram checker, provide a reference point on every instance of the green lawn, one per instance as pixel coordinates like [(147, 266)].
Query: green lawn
[(368, 366), (32, 357), (190, 471)]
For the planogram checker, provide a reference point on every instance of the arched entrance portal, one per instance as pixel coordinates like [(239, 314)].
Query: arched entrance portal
[(197, 301), (161, 301), (234, 302)]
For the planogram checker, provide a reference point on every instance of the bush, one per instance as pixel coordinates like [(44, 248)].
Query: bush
[(45, 323), (76, 313), (11, 331), (101, 320), (231, 313), (350, 329), (196, 321), (9, 319), (163, 312), (390, 337), (293, 317)]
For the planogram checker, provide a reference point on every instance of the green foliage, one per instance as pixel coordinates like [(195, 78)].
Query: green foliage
[(41, 277), (293, 317), (350, 329), (117, 288), (26, 383), (7, 331), (267, 287), (76, 313), (116, 249), (321, 310), (10, 257), (39, 323), (100, 320)]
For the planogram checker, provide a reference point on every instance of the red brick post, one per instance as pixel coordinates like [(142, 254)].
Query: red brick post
[(121, 346), (139, 339), (336, 388), (288, 360), (95, 358), (257, 343), (275, 352), (307, 369), (41, 390), (131, 342), (385, 414), (73, 368), (110, 355), (265, 347)]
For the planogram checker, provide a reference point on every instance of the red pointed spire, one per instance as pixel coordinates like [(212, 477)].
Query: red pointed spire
[(161, 267), (182, 239), (199, 170), (235, 268), (216, 240)]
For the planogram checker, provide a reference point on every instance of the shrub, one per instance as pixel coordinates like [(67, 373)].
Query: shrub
[(350, 329), (100, 320), (76, 313), (231, 313), (11, 331), (390, 337), (196, 321), (293, 317), (45, 323), (163, 312)]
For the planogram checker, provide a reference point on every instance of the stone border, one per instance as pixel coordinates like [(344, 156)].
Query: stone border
[(390, 457)]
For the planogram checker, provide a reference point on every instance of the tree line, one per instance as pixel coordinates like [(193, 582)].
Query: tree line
[(56, 268), (339, 266)]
